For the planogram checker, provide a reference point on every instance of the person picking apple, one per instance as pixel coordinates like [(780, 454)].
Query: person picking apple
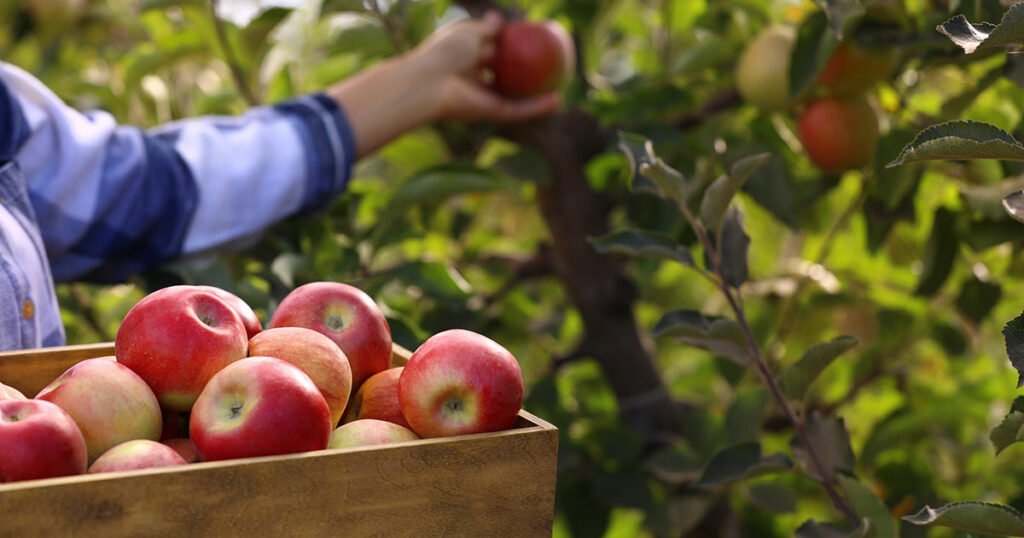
[(85, 199)]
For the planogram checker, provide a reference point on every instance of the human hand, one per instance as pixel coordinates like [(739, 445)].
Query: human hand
[(453, 67)]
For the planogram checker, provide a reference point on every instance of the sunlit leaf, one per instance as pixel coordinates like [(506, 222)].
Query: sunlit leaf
[(973, 36), (719, 195), (973, 516), (961, 140), (1011, 429)]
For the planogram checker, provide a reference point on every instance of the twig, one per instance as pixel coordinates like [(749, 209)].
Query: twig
[(718, 103), (237, 74), (394, 33), (765, 372)]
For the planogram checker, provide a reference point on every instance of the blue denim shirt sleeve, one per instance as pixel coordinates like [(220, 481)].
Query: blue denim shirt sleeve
[(112, 200)]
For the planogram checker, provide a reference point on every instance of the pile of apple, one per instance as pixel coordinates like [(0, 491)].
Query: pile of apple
[(836, 124), (196, 378)]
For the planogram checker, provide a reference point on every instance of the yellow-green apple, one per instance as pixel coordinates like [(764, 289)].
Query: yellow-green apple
[(249, 318), (110, 403), (532, 58), (316, 355), (839, 134), (176, 338), (460, 382), (184, 448), (346, 315), (38, 440), (370, 431), (259, 406), (762, 72), (377, 398), (134, 455), (10, 393)]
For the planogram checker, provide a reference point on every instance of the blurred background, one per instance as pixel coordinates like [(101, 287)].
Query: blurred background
[(487, 229)]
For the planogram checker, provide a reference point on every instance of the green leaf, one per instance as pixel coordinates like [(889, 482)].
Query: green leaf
[(940, 254), (775, 498), (961, 140), (642, 243), (815, 42), (746, 413), (650, 173), (800, 375), (721, 336), (719, 195), (983, 35), (733, 247), (1011, 429), (868, 506), (977, 298), (973, 516), (434, 185), (434, 278), (740, 462), (1013, 335), (813, 529), (831, 442)]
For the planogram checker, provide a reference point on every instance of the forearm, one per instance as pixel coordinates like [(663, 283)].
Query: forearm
[(387, 100)]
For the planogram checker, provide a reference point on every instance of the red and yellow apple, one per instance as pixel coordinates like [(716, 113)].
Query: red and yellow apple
[(346, 315), (839, 134), (176, 339), (316, 355), (38, 440), (532, 58), (249, 318), (134, 455), (10, 393), (259, 406), (460, 382), (762, 72), (377, 398), (368, 431), (110, 404)]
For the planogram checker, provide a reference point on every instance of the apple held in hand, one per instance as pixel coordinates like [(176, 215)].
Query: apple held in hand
[(134, 455), (38, 440), (10, 393), (346, 315), (369, 431), (259, 406), (460, 382), (110, 404), (532, 58), (839, 134), (176, 339), (377, 399), (249, 318), (316, 355)]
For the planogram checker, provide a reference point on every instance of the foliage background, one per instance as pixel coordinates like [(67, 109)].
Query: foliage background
[(444, 228)]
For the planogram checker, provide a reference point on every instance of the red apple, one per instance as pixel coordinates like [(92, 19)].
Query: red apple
[(38, 440), (176, 339), (249, 318), (377, 398), (532, 58), (346, 315), (110, 404), (259, 406), (839, 134), (10, 393), (184, 448), (316, 355), (460, 382), (370, 431), (137, 454)]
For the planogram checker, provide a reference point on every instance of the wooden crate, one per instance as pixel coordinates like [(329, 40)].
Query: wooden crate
[(494, 485)]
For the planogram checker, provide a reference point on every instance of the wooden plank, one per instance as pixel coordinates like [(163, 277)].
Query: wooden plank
[(498, 484), (32, 369)]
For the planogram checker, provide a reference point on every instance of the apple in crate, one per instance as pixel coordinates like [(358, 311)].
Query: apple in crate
[(460, 382), (244, 311), (346, 315), (184, 448), (10, 393), (134, 455), (110, 403), (259, 406), (377, 398), (316, 355), (176, 339), (38, 440), (370, 431)]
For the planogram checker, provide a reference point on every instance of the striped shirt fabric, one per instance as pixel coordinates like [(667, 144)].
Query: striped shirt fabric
[(85, 199)]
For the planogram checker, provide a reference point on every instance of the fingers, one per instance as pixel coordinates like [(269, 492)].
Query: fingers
[(490, 24)]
